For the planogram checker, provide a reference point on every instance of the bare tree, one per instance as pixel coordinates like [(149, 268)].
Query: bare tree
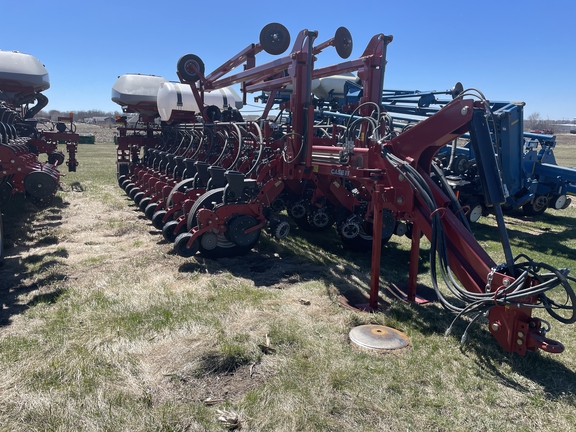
[(534, 121)]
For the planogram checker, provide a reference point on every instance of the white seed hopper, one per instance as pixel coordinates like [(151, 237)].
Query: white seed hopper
[(137, 92), (22, 74), (174, 99)]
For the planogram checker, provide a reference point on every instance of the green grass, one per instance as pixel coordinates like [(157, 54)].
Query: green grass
[(105, 328)]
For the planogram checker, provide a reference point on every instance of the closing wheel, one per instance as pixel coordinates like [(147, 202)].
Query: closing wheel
[(349, 229), (123, 169), (320, 219), (127, 185), (157, 219), (186, 67), (559, 202), (138, 197), (299, 213), (359, 237), (536, 207), (278, 204), (170, 231), (150, 210), (280, 229), (181, 245), (274, 38), (144, 203), (133, 192)]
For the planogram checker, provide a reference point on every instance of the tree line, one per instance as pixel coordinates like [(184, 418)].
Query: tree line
[(79, 116), (536, 122)]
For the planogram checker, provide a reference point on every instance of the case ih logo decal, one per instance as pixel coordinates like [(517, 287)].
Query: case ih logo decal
[(340, 172)]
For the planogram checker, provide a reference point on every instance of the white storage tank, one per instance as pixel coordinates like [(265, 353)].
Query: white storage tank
[(323, 88), (22, 73), (136, 89), (175, 99)]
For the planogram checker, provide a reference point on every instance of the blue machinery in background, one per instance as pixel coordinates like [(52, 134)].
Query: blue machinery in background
[(531, 176)]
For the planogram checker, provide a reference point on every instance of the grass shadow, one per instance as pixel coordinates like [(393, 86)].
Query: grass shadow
[(546, 233), (551, 375), (555, 378), (25, 227)]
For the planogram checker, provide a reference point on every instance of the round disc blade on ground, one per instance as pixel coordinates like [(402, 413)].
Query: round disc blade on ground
[(378, 337)]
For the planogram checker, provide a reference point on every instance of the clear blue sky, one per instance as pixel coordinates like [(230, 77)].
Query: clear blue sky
[(510, 50)]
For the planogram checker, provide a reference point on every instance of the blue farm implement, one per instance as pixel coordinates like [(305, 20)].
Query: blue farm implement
[(532, 178)]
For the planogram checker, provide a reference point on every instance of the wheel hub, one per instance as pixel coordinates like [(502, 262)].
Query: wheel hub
[(209, 241), (540, 202), (238, 226), (560, 202)]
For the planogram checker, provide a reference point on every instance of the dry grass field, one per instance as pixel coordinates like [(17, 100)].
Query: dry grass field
[(104, 328)]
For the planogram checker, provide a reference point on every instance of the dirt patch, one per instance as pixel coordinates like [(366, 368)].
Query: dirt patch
[(211, 389)]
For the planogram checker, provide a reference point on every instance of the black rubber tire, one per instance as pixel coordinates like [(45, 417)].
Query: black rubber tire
[(182, 186), (186, 71), (150, 210), (207, 200), (168, 231), (123, 170), (301, 221), (134, 191), (362, 242), (138, 197), (180, 246), (157, 218), (532, 209), (125, 183), (144, 203)]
